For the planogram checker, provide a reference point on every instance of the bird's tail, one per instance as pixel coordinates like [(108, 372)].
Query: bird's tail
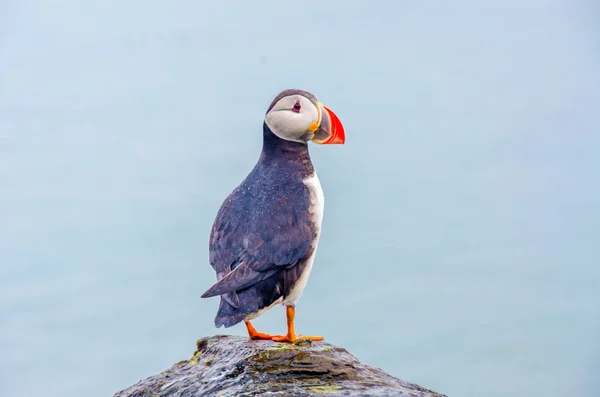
[(228, 315)]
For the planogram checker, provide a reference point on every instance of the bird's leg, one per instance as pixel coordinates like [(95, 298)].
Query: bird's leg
[(291, 336), (254, 334)]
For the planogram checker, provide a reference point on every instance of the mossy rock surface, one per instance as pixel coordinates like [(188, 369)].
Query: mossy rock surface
[(235, 366)]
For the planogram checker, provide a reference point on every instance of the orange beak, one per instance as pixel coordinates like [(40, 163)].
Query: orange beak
[(330, 130)]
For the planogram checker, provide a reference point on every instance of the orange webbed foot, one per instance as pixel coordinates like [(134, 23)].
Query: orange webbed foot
[(312, 338), (262, 336), (284, 338), (255, 335), (290, 337), (294, 338)]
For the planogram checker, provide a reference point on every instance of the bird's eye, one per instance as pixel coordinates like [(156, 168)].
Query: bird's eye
[(296, 108)]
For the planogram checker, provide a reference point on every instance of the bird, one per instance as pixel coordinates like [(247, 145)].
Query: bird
[(264, 238)]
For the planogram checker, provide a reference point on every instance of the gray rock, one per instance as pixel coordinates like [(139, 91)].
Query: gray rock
[(236, 366)]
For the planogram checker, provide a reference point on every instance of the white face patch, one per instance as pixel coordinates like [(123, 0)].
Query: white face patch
[(291, 117)]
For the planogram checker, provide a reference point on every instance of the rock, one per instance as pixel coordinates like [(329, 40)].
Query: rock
[(236, 366)]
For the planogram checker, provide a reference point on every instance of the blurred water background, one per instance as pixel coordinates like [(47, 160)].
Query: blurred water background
[(460, 243)]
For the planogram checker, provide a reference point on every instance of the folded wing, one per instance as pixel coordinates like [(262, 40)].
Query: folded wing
[(250, 244)]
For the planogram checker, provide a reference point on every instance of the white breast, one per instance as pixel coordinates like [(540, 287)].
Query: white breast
[(317, 202)]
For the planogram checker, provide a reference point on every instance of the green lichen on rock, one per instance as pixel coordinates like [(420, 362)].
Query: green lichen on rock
[(303, 342), (282, 346), (195, 358), (238, 366), (324, 389)]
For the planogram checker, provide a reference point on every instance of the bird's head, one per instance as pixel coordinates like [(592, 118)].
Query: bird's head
[(298, 116)]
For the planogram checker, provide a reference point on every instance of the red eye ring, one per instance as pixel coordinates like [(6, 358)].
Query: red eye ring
[(296, 108)]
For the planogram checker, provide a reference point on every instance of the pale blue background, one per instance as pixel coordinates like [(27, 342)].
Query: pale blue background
[(460, 244)]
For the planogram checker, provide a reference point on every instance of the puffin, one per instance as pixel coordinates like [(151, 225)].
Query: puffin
[(264, 238)]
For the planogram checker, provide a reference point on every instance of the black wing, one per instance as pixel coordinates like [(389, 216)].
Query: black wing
[(260, 229)]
